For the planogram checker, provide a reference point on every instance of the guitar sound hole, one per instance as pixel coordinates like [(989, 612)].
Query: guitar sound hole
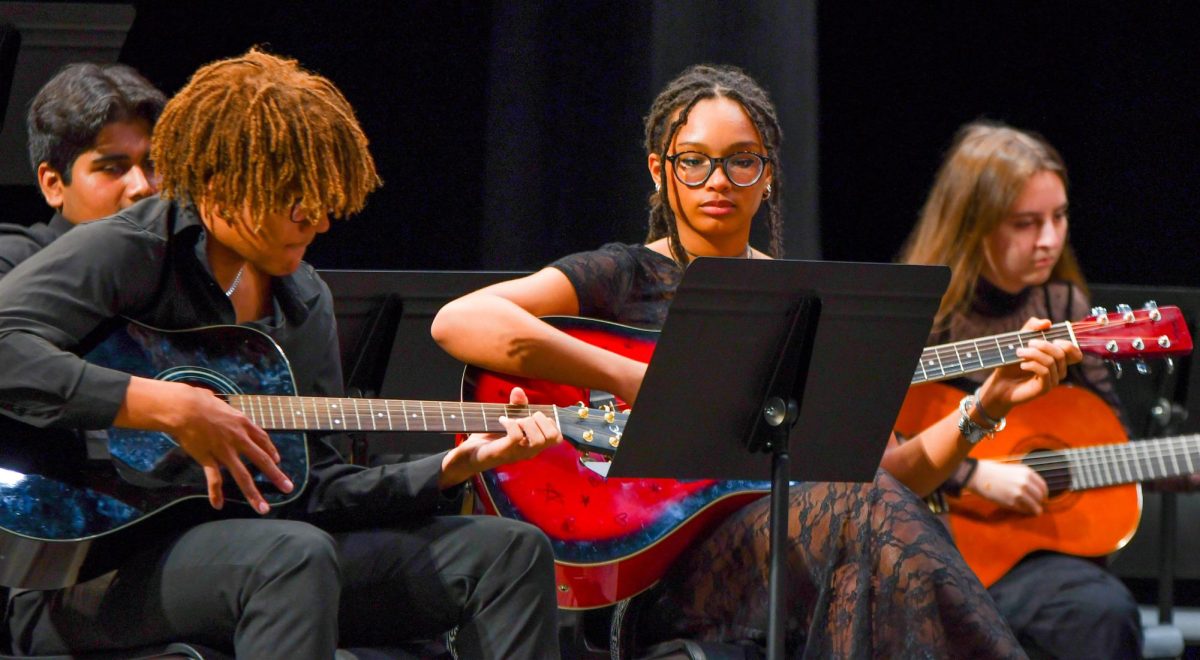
[(1053, 468)]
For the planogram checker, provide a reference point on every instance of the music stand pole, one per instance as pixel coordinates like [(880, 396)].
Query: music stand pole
[(786, 414), (780, 410)]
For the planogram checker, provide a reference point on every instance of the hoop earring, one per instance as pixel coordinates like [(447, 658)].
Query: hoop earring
[(767, 193), (657, 187)]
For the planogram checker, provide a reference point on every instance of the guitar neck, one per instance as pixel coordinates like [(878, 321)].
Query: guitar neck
[(963, 357), (307, 413), (1112, 465)]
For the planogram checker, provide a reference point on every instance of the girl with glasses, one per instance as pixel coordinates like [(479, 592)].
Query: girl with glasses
[(871, 572)]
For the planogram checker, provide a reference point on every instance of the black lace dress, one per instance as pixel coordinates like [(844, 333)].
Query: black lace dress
[(871, 572)]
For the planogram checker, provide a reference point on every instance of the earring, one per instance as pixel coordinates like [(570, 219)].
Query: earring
[(657, 187), (767, 193)]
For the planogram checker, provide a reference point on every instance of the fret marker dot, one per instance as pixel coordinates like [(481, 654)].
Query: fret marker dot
[(379, 414), (337, 421)]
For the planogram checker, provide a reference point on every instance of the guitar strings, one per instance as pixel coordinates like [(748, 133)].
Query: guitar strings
[(472, 412), (1112, 464), (389, 413), (1056, 331), (945, 361), (1135, 446)]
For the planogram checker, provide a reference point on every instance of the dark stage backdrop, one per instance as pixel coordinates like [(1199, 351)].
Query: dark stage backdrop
[(509, 133), (1112, 85)]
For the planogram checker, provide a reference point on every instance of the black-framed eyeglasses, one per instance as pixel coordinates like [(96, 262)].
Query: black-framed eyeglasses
[(743, 168)]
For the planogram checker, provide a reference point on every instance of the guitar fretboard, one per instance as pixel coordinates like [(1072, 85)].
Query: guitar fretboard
[(305, 413), (1111, 465), (959, 358), (1145, 460)]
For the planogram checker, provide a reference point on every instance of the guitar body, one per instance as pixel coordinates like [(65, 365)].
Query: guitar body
[(74, 503), (612, 538), (1090, 523)]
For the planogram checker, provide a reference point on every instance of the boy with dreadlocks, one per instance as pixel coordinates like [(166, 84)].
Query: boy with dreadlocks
[(871, 572), (89, 144), (255, 155)]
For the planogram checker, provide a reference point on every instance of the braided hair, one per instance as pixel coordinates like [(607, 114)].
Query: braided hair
[(259, 132), (706, 81)]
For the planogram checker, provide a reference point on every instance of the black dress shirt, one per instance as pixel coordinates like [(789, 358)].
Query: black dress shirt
[(148, 263), (18, 242)]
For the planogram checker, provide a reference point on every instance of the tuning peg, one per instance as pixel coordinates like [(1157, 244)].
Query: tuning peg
[(1101, 315), (1142, 368), (1125, 311), (1169, 365), (1165, 413), (1118, 370), (1152, 308), (600, 399), (1161, 412)]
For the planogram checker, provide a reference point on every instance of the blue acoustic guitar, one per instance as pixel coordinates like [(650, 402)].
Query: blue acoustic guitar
[(74, 503)]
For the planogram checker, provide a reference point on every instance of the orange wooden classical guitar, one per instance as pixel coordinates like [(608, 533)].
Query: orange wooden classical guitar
[(1076, 443)]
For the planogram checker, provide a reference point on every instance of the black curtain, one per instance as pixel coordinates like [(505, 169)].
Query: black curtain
[(1111, 85), (569, 86), (507, 133), (775, 41)]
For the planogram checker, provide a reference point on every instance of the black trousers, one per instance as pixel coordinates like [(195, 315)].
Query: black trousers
[(286, 589), (1061, 606)]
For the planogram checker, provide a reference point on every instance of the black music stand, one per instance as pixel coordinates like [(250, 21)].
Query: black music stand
[(788, 357)]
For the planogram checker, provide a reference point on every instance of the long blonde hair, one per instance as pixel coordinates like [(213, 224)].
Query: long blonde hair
[(983, 174)]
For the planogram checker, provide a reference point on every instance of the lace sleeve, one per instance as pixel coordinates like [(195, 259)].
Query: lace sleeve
[(602, 278)]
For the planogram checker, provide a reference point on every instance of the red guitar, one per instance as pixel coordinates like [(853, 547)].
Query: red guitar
[(1074, 441), (614, 538)]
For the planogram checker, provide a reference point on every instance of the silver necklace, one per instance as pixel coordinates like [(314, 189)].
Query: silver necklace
[(237, 279)]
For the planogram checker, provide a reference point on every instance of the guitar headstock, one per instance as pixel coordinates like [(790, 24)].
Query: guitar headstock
[(593, 430), (1150, 332)]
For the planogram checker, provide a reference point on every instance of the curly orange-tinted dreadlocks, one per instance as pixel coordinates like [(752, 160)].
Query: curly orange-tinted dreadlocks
[(258, 132)]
